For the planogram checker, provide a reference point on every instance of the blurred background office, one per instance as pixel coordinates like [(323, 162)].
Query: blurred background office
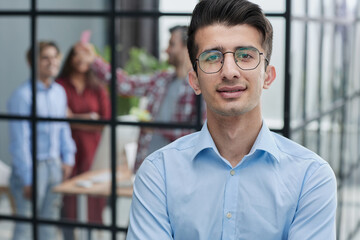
[(315, 99)]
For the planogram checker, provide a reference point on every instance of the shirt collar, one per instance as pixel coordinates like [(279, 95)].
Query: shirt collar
[(264, 142), (40, 86)]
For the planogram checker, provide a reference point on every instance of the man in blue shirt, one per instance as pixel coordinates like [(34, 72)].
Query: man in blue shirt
[(55, 146), (234, 179)]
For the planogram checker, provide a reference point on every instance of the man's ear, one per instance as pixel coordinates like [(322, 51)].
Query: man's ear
[(194, 82), (270, 76)]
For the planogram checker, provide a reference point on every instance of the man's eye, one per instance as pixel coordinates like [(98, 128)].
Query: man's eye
[(244, 57), (212, 58)]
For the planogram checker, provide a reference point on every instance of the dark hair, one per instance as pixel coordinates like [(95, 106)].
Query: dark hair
[(183, 30), (40, 47), (67, 69), (229, 13)]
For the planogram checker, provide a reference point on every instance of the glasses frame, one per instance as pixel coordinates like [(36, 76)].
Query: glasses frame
[(222, 62)]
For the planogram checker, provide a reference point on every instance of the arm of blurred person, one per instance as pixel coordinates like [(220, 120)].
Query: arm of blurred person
[(66, 170), (134, 85), (20, 139)]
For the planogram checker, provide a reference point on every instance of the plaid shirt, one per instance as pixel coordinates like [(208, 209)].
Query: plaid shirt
[(154, 88)]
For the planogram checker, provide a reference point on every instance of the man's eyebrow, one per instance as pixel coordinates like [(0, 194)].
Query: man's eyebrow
[(249, 46), (216, 48), (222, 49)]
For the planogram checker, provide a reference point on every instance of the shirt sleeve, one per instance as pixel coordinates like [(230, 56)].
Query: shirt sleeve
[(20, 134), (315, 215), (148, 214)]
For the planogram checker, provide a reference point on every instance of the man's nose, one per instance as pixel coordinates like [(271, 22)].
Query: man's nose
[(230, 69)]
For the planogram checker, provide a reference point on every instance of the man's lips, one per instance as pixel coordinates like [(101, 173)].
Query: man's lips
[(231, 92)]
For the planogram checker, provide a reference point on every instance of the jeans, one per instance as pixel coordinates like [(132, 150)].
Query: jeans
[(49, 174)]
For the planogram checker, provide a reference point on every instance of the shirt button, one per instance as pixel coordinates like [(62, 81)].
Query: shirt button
[(232, 172), (228, 215)]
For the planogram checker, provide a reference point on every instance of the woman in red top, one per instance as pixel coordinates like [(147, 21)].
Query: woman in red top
[(87, 99)]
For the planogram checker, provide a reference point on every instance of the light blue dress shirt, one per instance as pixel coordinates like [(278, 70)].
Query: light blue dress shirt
[(54, 139), (187, 191)]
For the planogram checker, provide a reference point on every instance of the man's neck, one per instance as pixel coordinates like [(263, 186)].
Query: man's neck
[(46, 81), (183, 70), (234, 136)]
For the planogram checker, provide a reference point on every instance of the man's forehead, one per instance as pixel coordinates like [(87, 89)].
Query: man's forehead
[(49, 50), (213, 37)]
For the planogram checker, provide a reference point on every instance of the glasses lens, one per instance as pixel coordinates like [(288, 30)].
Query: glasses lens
[(211, 61), (247, 58)]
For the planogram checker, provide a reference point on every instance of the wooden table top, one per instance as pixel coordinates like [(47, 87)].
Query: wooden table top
[(100, 187)]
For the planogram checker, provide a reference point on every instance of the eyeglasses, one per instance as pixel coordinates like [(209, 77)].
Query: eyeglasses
[(246, 58)]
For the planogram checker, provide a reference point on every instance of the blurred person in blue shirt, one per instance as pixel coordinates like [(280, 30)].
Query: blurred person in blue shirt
[(235, 179), (55, 146)]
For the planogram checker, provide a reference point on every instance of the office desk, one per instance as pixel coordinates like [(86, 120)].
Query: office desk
[(100, 187)]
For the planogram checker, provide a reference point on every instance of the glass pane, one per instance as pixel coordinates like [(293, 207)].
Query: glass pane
[(354, 71), (123, 213), (148, 87), (13, 31), (329, 8), (312, 77), (271, 6), (298, 8), (137, 5), (48, 231), (84, 233), (335, 143), (121, 236), (273, 98), (165, 23), (7, 202), (73, 5), (348, 204), (297, 72), (67, 31), (327, 67), (177, 6), (311, 141), (149, 140), (351, 136), (325, 138), (314, 9), (6, 229), (14, 5), (86, 192)]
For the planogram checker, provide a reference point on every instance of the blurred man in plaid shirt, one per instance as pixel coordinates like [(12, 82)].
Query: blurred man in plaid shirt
[(170, 98)]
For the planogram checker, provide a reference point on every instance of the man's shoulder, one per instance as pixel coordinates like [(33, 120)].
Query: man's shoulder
[(21, 92), (181, 146), (58, 86), (292, 150)]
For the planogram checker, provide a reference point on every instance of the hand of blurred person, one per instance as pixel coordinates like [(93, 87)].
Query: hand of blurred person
[(67, 169), (87, 51), (94, 116), (69, 113), (27, 191)]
